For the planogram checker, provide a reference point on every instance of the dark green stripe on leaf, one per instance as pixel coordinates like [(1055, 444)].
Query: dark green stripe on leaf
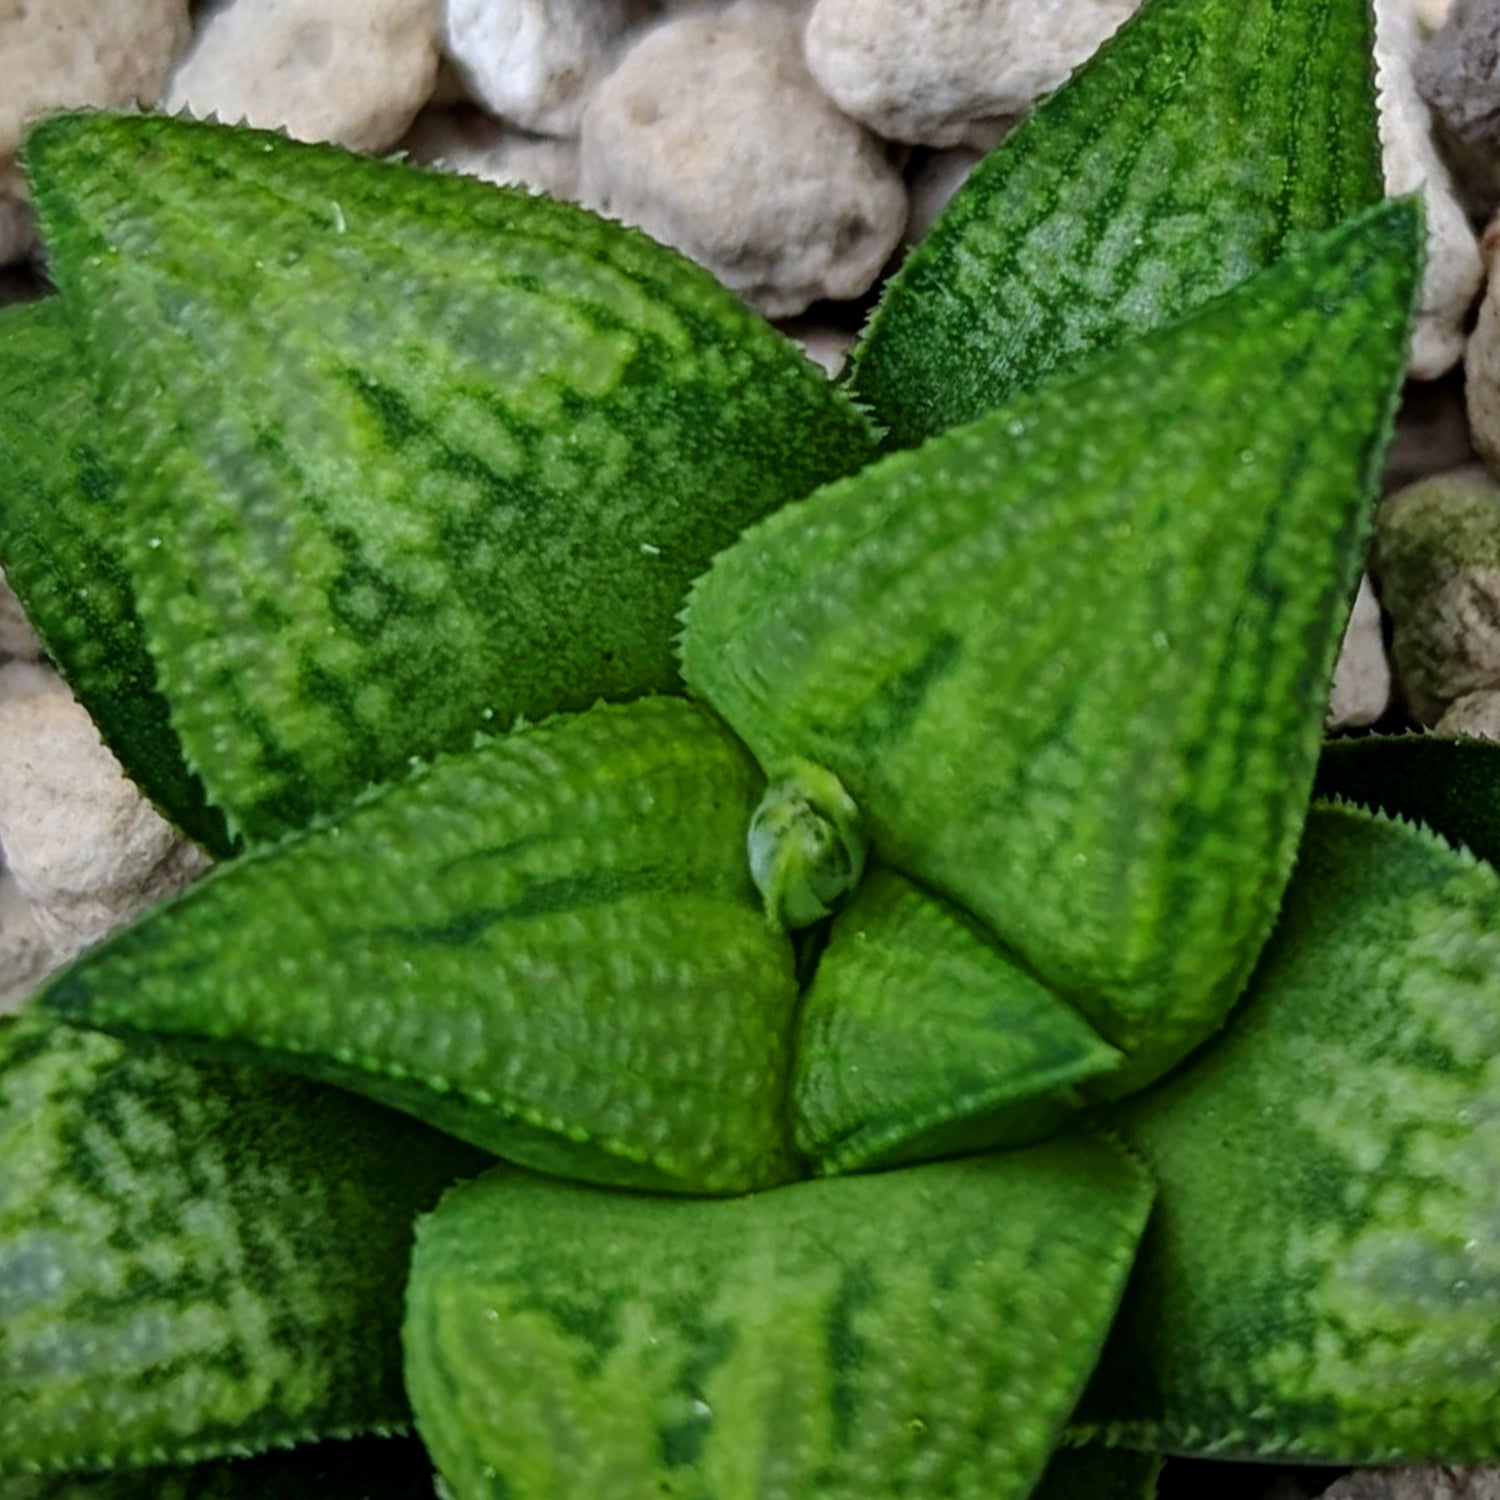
[(1071, 661), (910, 1333), (404, 455), (1322, 1276), (549, 945), (1198, 146), (60, 524), (195, 1261)]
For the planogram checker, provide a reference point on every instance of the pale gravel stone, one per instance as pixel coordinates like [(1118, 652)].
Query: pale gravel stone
[(17, 638), (1361, 690), (1458, 74), (345, 71), (27, 955), (17, 222), (1454, 272), (60, 54), (933, 182), (711, 136), (1482, 362), (1425, 1483), (1475, 716), (533, 62), (1432, 433), (931, 71), (826, 346), (465, 141), (1436, 564), (1431, 15), (82, 845), (56, 54)]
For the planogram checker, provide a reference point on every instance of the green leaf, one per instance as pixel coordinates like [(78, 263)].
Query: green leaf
[(403, 454), (60, 519), (1071, 661), (1197, 147), (1451, 786), (366, 1469), (918, 1038), (549, 946), (1322, 1276), (922, 1332), (1095, 1473), (195, 1261)]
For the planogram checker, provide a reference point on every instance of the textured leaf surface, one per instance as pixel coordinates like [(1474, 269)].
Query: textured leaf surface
[(195, 1260), (550, 946), (1197, 147), (921, 1332), (60, 521), (1322, 1275), (403, 452), (1451, 786), (365, 1469), (919, 1038), (1071, 661), (1096, 1473)]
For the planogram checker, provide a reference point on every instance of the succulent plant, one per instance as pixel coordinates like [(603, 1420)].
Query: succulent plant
[(839, 1006)]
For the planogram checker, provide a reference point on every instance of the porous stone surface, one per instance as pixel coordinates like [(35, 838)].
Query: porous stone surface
[(932, 72), (83, 850), (1475, 716), (1458, 74), (59, 54), (1436, 562), (1432, 432), (17, 639), (932, 180), (711, 136), (1427, 1483), (354, 72), (824, 344), (17, 222), (1454, 271), (533, 62), (1482, 362), (1361, 690), (471, 143)]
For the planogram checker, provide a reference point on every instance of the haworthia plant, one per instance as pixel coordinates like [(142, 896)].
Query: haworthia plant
[(60, 516), (549, 946), (1094, 1472), (1070, 661), (918, 1038), (407, 455), (364, 1469), (1200, 145), (1322, 1278), (922, 1332), (195, 1261), (1451, 787)]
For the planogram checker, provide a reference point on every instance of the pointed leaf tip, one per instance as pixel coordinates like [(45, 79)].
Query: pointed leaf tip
[(1071, 661), (403, 454), (1200, 144)]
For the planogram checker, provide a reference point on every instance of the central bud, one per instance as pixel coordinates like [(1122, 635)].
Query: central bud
[(806, 844)]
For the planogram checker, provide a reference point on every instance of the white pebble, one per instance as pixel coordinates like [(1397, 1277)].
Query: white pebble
[(346, 71), (933, 72), (711, 136)]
